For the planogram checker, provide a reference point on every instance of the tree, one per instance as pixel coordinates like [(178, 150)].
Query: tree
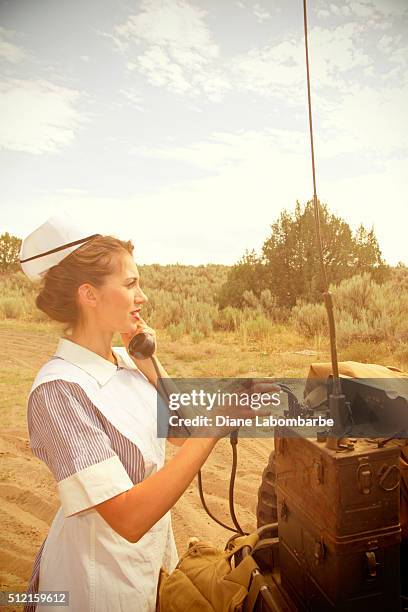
[(289, 265), (246, 275), (367, 254), (9, 253)]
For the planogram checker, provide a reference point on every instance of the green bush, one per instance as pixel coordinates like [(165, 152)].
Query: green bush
[(182, 301), (256, 328), (364, 311), (197, 336), (176, 331), (12, 307), (229, 319), (310, 320)]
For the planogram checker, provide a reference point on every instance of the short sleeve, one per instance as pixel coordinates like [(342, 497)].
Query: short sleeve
[(66, 433)]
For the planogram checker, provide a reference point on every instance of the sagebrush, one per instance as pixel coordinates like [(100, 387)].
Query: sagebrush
[(182, 301)]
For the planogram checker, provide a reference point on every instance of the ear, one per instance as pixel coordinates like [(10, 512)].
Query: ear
[(87, 295)]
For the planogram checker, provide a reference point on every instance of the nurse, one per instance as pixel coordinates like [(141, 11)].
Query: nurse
[(92, 419)]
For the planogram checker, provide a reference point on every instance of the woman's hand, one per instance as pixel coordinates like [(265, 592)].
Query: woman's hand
[(135, 511), (142, 327), (236, 411)]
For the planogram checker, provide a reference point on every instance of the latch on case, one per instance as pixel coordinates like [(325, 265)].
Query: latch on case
[(364, 478)]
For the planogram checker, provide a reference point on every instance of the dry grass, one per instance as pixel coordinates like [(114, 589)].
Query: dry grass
[(371, 321), (27, 345)]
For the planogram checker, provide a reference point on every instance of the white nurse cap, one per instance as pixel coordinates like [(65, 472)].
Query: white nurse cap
[(50, 243)]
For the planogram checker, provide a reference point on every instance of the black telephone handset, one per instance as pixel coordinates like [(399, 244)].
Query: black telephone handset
[(142, 346)]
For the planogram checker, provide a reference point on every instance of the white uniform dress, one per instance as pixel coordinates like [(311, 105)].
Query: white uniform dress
[(95, 425)]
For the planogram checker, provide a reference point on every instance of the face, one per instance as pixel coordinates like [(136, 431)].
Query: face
[(119, 300)]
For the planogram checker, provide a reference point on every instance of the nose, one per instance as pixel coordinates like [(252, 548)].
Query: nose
[(140, 296)]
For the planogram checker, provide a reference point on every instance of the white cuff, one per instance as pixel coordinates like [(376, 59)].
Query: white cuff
[(93, 485)]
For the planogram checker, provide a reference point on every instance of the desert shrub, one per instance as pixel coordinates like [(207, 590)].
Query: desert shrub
[(201, 282), (17, 296), (364, 311), (355, 295), (265, 304), (19, 282), (176, 294), (401, 355), (250, 299), (368, 352), (269, 304), (310, 319), (182, 300), (228, 319), (12, 307), (256, 328), (198, 316), (399, 276), (176, 331), (197, 336)]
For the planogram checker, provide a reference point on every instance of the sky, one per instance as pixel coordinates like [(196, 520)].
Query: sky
[(183, 125)]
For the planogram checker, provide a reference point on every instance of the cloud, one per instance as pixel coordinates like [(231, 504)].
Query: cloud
[(231, 210), (368, 121), (374, 10), (261, 181), (270, 70), (71, 191), (253, 179), (323, 13), (37, 116), (258, 10), (354, 42), (223, 150), (361, 9), (385, 43), (358, 106), (170, 43), (337, 51), (172, 23), (280, 69), (133, 98), (8, 51), (161, 71), (260, 13), (384, 8)]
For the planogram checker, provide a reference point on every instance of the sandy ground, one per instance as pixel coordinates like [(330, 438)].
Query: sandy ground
[(29, 500), (28, 494)]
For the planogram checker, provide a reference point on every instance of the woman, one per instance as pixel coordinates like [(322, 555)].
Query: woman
[(92, 419)]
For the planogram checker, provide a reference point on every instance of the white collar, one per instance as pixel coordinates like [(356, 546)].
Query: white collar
[(93, 364)]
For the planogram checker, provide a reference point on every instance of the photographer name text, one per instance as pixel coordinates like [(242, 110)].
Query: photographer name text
[(258, 421)]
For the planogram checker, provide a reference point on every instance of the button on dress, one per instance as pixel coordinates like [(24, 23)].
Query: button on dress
[(95, 426)]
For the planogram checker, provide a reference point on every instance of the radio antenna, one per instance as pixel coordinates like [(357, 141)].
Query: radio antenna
[(337, 403)]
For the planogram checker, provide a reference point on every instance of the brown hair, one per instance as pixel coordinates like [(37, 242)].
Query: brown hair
[(90, 263)]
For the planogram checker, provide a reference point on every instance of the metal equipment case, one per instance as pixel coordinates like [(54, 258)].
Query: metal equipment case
[(339, 531)]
